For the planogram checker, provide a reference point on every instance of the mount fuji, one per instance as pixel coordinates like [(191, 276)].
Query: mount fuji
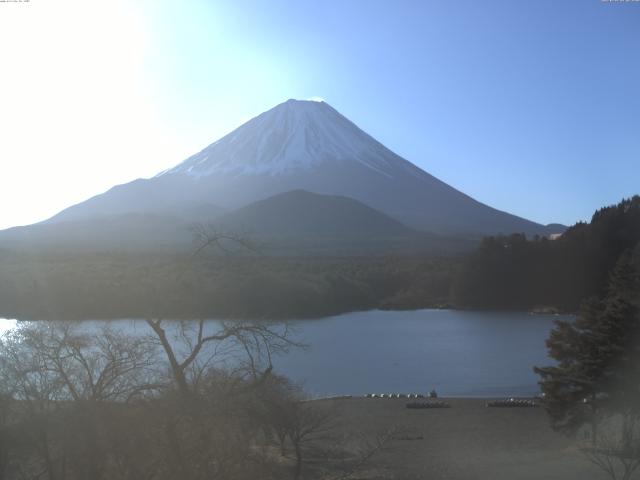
[(299, 146)]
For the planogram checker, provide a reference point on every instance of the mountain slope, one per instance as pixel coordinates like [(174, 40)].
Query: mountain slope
[(309, 146), (302, 214), (291, 223), (129, 232)]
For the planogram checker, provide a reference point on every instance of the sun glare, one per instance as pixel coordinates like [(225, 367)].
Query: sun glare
[(73, 98)]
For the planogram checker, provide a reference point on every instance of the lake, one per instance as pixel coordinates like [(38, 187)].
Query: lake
[(459, 353)]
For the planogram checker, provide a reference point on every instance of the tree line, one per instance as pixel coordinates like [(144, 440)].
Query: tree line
[(594, 387), (216, 285), (513, 272)]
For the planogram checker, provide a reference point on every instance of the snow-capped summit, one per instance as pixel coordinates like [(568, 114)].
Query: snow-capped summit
[(302, 145), (295, 135)]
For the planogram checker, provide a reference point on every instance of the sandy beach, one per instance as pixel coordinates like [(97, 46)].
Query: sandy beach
[(465, 442)]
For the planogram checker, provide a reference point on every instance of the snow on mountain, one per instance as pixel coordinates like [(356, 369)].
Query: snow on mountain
[(295, 135), (303, 145)]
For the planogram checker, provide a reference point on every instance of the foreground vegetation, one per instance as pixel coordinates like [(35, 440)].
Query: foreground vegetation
[(161, 406), (466, 442), (180, 401), (115, 407), (595, 384)]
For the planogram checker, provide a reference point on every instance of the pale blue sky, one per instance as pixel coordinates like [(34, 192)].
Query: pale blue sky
[(529, 106)]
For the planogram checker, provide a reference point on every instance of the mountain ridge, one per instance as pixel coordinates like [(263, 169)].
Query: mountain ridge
[(294, 134), (305, 145), (300, 213)]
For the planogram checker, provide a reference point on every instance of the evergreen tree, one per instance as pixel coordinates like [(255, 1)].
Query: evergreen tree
[(513, 272), (572, 388), (597, 373), (622, 312)]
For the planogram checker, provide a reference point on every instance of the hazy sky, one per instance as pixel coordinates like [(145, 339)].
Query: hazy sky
[(529, 106)]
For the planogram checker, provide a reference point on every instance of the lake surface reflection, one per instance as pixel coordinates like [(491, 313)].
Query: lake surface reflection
[(459, 353)]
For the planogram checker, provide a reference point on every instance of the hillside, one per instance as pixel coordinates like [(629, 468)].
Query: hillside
[(304, 145), (302, 214), (516, 273)]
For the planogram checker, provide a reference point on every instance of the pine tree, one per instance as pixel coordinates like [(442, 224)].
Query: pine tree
[(598, 370), (622, 325)]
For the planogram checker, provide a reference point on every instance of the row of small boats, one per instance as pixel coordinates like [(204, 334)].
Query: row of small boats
[(396, 395), (513, 402), (431, 403)]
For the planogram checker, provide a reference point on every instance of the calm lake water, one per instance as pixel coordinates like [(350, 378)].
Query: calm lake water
[(459, 353)]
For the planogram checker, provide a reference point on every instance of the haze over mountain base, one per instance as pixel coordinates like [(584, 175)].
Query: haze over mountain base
[(299, 176)]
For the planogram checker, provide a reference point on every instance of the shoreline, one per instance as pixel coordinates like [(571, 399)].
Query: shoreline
[(465, 442), (285, 319), (426, 399)]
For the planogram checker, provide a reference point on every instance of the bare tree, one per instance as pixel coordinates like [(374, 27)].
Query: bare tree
[(200, 438), (191, 350), (63, 384), (107, 366), (311, 425), (179, 402), (209, 237), (312, 428), (366, 450), (616, 450)]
